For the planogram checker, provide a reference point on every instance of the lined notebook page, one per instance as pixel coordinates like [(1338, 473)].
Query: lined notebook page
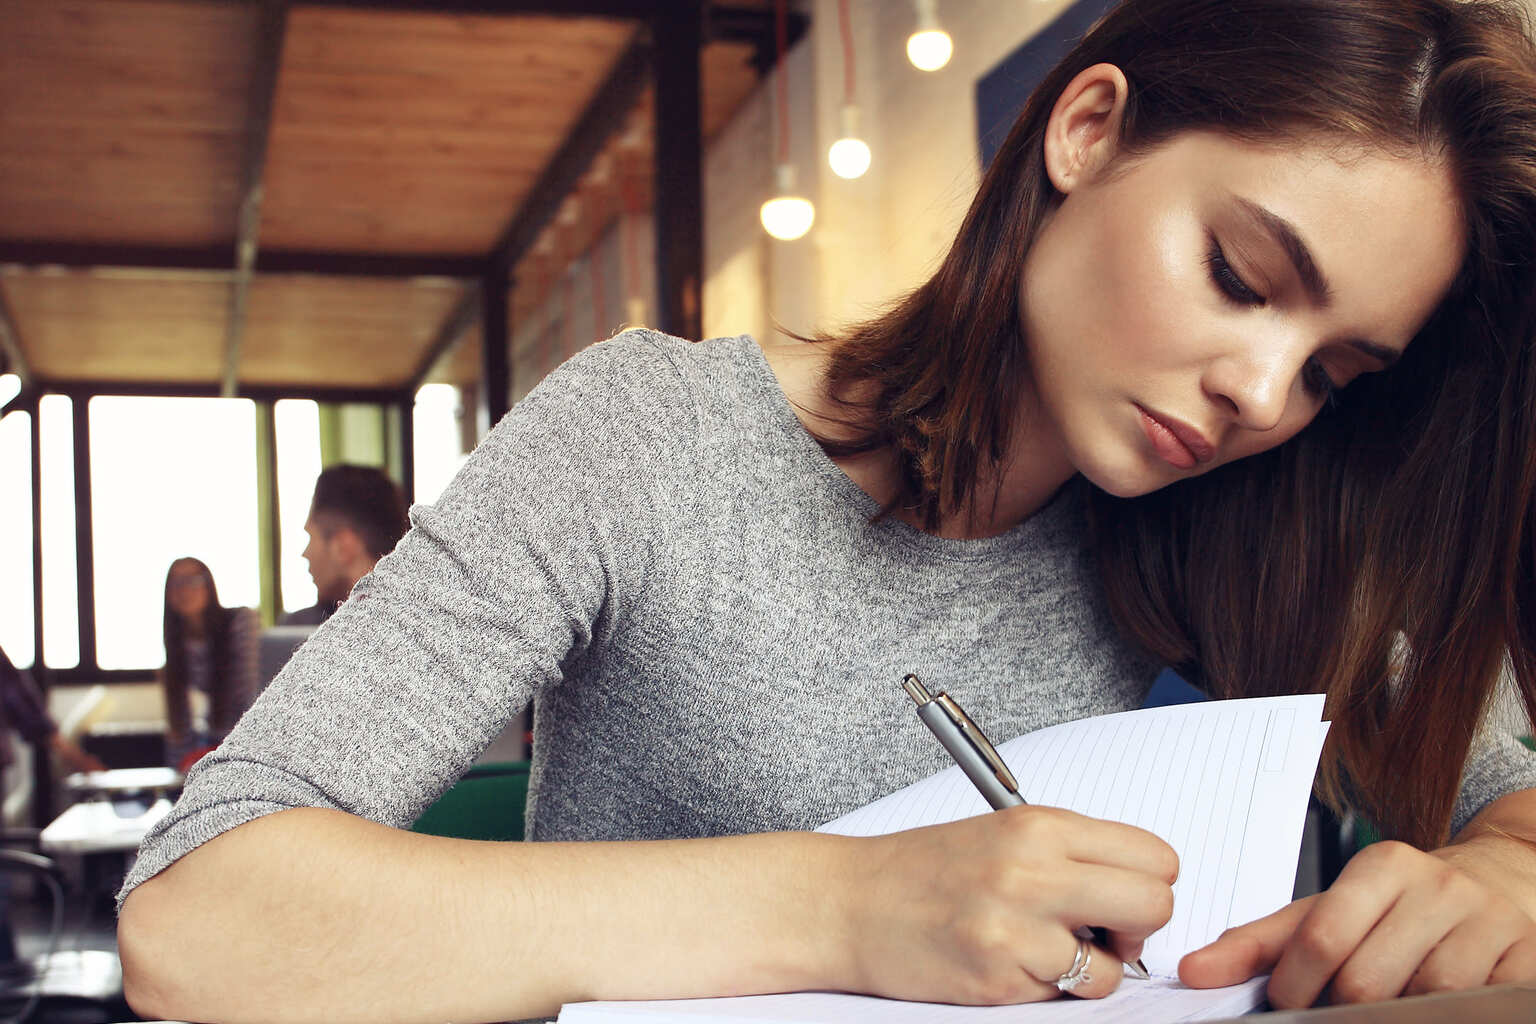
[(1225, 783)]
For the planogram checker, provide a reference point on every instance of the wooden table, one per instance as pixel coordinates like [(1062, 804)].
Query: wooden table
[(1499, 1004)]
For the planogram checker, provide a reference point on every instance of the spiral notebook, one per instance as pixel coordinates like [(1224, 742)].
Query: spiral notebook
[(1224, 782)]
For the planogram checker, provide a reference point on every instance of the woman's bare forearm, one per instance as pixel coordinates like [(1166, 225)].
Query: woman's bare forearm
[(316, 915)]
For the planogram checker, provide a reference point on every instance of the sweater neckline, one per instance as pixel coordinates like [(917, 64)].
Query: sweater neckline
[(1050, 518)]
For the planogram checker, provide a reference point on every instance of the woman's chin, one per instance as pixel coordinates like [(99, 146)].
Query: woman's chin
[(1128, 480)]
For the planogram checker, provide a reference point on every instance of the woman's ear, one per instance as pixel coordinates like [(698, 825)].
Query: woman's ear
[(1084, 129)]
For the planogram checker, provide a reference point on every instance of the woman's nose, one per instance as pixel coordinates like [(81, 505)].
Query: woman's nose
[(1253, 384)]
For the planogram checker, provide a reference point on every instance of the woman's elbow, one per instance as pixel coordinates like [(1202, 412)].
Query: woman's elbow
[(149, 963)]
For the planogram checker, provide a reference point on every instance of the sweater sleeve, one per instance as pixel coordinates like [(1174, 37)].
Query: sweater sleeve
[(532, 553), (1498, 763), (25, 707)]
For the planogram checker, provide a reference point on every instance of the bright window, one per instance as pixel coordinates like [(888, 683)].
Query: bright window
[(16, 622), (298, 465), (61, 583), (439, 447), (169, 477)]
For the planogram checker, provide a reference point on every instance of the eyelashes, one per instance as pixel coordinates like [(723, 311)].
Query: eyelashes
[(1317, 382), (1314, 376), (1231, 285)]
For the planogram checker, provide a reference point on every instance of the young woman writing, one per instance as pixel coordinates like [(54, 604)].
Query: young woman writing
[(1230, 367)]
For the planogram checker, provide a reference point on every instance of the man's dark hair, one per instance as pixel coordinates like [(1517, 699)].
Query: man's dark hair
[(363, 499)]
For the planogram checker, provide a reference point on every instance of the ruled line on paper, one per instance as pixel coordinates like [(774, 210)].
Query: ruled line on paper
[(1277, 743), (1229, 860)]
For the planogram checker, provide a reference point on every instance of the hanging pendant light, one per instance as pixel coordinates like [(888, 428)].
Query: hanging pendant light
[(929, 48), (849, 155), (786, 216)]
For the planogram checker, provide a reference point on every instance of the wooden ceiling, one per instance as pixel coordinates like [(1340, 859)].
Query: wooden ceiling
[(306, 198)]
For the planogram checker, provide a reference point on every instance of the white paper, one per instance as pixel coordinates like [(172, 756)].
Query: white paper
[(1135, 1002), (1225, 783)]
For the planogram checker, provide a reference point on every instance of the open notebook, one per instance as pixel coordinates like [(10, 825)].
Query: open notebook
[(1224, 782)]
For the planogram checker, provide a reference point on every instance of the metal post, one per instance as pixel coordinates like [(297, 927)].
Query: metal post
[(495, 342), (42, 780), (677, 35), (85, 553)]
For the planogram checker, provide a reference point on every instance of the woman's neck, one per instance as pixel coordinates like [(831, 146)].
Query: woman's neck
[(1028, 477)]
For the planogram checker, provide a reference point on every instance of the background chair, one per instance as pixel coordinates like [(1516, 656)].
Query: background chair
[(487, 803), (74, 985)]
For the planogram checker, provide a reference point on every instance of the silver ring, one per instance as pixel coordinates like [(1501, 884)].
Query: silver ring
[(1077, 974)]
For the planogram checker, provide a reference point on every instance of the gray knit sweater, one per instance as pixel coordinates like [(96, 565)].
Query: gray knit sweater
[(653, 547)]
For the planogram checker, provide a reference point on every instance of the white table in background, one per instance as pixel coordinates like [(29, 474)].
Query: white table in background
[(155, 781), (102, 826)]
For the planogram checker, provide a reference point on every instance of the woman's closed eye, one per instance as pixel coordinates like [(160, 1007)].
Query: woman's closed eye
[(1317, 382), (1315, 378), (1226, 279)]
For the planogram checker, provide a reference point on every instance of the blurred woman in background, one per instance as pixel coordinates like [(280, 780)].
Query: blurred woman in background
[(208, 648)]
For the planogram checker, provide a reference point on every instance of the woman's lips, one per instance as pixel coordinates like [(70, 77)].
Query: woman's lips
[(1177, 443)]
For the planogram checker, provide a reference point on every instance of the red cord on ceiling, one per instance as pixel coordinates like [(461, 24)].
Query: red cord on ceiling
[(781, 38), (847, 32)]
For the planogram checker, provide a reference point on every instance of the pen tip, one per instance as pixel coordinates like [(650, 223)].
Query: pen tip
[(1139, 970)]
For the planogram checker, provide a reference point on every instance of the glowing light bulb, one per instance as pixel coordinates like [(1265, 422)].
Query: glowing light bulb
[(929, 48), (849, 156), (787, 216)]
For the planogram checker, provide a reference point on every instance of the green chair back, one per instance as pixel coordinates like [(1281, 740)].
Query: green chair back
[(486, 803)]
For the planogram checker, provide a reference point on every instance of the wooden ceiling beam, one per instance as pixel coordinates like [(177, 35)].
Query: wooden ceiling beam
[(630, 9), (369, 264), (459, 319), (604, 117), (89, 256), (270, 31), (754, 25), (86, 388)]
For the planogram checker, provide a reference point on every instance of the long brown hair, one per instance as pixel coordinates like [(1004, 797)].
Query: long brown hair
[(1387, 555)]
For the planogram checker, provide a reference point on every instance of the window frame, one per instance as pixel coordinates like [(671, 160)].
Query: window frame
[(400, 402)]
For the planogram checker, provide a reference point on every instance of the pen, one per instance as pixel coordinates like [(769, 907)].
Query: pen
[(982, 764)]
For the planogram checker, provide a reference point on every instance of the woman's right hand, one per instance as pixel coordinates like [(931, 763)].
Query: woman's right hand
[(983, 910)]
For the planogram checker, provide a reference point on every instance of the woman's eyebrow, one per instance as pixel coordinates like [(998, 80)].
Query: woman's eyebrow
[(1386, 356), (1312, 279), (1289, 239)]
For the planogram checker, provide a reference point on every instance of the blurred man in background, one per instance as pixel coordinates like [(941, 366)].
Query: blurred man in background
[(356, 518)]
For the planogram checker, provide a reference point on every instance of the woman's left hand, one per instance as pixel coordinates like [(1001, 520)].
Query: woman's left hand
[(1398, 921)]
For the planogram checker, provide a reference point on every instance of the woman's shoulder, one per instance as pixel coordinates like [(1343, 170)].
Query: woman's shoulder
[(645, 386), (641, 356)]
